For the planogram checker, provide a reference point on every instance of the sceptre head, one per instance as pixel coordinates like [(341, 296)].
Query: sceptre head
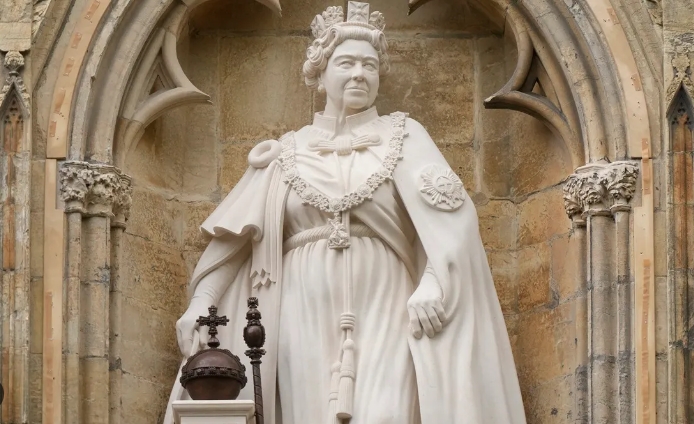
[(330, 29)]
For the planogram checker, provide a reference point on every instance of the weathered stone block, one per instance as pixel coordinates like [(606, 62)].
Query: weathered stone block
[(603, 317), (492, 72), (155, 218), (16, 11), (199, 142), (566, 265), (534, 277), (14, 35), (155, 276), (542, 159), (35, 387), (455, 18), (233, 163), (149, 347), (551, 402), (36, 241), (38, 176), (432, 79), (36, 316), (503, 267), (195, 214), (544, 349), (158, 158), (462, 161), (144, 402), (94, 372), (660, 233), (497, 221), (94, 322), (511, 321), (262, 93), (240, 16), (191, 258), (662, 342), (496, 164), (542, 216), (661, 389)]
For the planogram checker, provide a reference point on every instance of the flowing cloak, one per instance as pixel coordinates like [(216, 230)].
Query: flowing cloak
[(465, 374)]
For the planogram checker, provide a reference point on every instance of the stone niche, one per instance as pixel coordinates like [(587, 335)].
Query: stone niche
[(446, 59)]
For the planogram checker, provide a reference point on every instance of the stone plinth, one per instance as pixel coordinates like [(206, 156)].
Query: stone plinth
[(214, 412)]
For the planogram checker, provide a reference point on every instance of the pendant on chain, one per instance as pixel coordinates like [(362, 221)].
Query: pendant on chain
[(339, 237)]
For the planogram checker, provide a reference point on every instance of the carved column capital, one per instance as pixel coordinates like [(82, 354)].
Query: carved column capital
[(96, 190), (593, 192), (122, 202), (621, 184), (600, 189), (75, 180), (572, 199)]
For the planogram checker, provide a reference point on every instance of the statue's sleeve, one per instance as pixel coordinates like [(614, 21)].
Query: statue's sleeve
[(250, 214)]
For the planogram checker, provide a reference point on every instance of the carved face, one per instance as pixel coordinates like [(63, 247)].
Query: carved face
[(351, 78)]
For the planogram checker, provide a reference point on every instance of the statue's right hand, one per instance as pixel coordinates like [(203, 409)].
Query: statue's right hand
[(187, 325)]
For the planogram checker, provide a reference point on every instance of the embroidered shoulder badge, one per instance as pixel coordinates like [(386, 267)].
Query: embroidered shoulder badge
[(441, 188)]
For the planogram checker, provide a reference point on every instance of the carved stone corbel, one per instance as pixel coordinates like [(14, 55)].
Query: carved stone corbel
[(96, 190), (681, 67), (14, 61)]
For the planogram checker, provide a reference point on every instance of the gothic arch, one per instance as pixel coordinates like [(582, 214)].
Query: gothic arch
[(570, 45), (580, 53)]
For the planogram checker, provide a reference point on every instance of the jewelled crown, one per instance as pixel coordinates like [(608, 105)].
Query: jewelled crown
[(357, 15)]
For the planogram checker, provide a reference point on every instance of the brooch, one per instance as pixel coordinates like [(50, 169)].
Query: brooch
[(441, 188)]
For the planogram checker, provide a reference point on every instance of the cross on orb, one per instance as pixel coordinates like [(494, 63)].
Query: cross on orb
[(212, 321)]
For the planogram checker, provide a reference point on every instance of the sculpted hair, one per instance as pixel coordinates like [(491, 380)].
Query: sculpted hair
[(323, 47)]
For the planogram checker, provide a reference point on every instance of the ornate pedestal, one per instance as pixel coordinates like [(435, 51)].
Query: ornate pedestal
[(214, 412)]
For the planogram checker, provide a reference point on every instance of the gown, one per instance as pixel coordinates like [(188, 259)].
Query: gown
[(264, 244), (313, 298)]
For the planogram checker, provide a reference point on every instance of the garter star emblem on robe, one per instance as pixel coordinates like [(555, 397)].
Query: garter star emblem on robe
[(441, 188)]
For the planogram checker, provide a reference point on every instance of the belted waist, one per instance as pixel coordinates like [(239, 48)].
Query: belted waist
[(323, 233)]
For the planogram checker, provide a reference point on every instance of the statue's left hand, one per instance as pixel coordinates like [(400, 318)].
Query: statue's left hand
[(425, 307)]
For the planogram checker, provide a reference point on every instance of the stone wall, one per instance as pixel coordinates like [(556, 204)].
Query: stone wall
[(445, 60)]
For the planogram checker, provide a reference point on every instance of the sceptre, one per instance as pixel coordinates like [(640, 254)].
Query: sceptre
[(254, 336)]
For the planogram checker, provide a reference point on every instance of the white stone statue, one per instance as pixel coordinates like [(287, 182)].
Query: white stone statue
[(364, 251)]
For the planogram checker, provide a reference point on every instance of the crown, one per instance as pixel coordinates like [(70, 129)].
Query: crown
[(357, 15)]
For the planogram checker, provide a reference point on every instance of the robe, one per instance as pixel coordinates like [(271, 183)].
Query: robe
[(465, 374)]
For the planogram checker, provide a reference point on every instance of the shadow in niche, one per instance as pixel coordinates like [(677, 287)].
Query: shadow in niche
[(446, 59)]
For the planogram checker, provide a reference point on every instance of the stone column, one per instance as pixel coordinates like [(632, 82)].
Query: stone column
[(597, 198), (75, 179), (621, 184), (121, 213), (96, 197), (601, 298), (574, 210)]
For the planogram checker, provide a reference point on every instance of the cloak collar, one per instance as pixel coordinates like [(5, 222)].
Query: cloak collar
[(354, 122)]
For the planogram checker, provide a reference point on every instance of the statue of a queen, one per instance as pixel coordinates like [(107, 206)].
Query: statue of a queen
[(364, 251)]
